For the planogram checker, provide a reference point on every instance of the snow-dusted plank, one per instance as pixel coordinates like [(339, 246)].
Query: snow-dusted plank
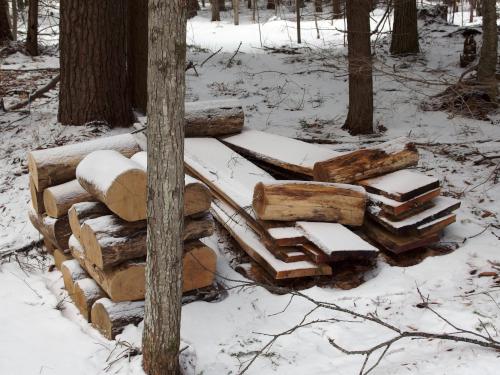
[(283, 152), (442, 207), (332, 238), (397, 209), (251, 244), (286, 236), (401, 185)]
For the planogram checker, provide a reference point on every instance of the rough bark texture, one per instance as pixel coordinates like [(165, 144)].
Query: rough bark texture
[(32, 37), (55, 231), (137, 54), (213, 118), (337, 9), (214, 6), (360, 116), (166, 91), (58, 199), (93, 62), (5, 31), (193, 8), (318, 6), (488, 58), (80, 212), (110, 318), (405, 33)]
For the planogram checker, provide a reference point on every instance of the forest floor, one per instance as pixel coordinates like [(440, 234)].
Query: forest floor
[(297, 91)]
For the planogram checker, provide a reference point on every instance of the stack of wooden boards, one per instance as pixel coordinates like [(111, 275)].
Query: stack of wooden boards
[(405, 210)]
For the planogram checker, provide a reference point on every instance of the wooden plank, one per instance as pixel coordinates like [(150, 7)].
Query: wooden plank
[(401, 185), (287, 236), (251, 244), (442, 207), (283, 152), (401, 210)]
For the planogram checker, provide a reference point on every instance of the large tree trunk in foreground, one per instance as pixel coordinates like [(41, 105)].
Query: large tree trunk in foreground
[(32, 38), (166, 91), (405, 33), (360, 116), (486, 72), (93, 63), (5, 31)]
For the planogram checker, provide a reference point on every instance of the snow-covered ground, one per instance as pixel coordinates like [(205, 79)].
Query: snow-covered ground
[(300, 95)]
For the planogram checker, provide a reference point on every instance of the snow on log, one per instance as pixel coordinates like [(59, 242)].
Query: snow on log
[(213, 118), (367, 163), (110, 318), (82, 211), (57, 165), (116, 181), (56, 231), (313, 201), (197, 196), (85, 293), (72, 271), (60, 257), (36, 198), (59, 198)]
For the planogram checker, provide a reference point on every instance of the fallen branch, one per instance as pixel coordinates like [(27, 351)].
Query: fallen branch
[(24, 249), (38, 93), (230, 62)]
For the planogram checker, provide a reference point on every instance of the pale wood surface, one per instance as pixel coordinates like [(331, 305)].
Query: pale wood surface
[(59, 198)]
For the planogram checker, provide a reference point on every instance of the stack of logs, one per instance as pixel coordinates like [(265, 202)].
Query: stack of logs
[(88, 201)]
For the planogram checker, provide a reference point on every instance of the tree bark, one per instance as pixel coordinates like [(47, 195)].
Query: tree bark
[(337, 9), (93, 63), (214, 6), (137, 55), (360, 116), (318, 6), (192, 8), (405, 33), (14, 19), (486, 72), (5, 31), (32, 37), (166, 91)]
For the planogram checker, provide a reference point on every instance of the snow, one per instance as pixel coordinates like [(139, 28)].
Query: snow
[(380, 199), (400, 182), (89, 287), (37, 338), (76, 271), (284, 232), (121, 310), (333, 237), (141, 158), (352, 188)]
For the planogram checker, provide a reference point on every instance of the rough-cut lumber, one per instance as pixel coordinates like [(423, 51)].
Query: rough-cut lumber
[(72, 271), (57, 165), (437, 225), (56, 231), (443, 206), (197, 196), (313, 201), (82, 211), (400, 210), (213, 118), (367, 163), (251, 244), (60, 257), (59, 198), (336, 241), (110, 318), (401, 185), (282, 152), (109, 240), (397, 243), (286, 236), (116, 181), (36, 198), (85, 293)]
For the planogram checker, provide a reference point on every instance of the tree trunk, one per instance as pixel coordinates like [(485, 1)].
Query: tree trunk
[(405, 33), (337, 9), (166, 91), (14, 19), (222, 5), (236, 11), (192, 8), (137, 56), (360, 116), (271, 4), (93, 63), (214, 6), (32, 37), (318, 6), (488, 58), (5, 32)]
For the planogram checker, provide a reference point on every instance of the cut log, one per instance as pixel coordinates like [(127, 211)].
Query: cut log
[(59, 198), (197, 196), (36, 198), (401, 185), (109, 241), (313, 201), (443, 206), (336, 241), (85, 293), (198, 265), (57, 165), (251, 244), (116, 181), (400, 210), (110, 318), (60, 257), (72, 271), (80, 212), (56, 231), (367, 163), (213, 118)]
